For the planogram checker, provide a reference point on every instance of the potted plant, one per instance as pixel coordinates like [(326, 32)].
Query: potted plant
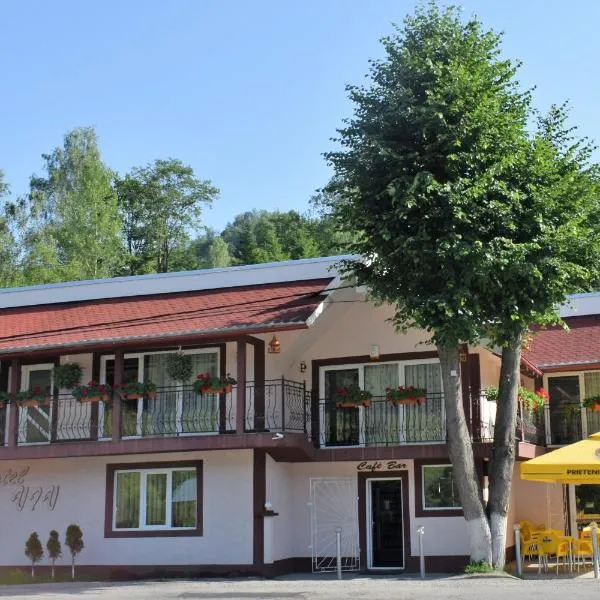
[(406, 395), (92, 392), (33, 398), (67, 376), (5, 398), (210, 384), (179, 366), (133, 390), (531, 400), (592, 403), (350, 397)]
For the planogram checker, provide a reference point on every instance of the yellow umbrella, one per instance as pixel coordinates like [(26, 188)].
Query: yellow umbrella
[(576, 463)]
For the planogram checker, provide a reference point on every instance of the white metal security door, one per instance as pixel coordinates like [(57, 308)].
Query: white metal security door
[(333, 504)]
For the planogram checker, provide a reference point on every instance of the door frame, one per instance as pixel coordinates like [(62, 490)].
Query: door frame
[(364, 518), (26, 371)]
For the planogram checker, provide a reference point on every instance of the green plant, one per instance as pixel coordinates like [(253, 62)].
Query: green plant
[(5, 397), (74, 541), (36, 394), (54, 548), (93, 389), (206, 383), (352, 395), (33, 550), (67, 376), (138, 388), (592, 401), (179, 366), (479, 567), (491, 393), (532, 400)]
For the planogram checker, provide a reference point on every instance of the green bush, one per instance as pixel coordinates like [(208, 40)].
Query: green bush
[(478, 567)]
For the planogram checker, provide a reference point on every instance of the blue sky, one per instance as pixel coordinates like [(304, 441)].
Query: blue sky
[(248, 92)]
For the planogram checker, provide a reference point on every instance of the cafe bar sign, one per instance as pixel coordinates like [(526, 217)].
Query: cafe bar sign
[(376, 466)]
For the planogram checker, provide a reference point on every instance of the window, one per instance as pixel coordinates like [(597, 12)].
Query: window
[(154, 499), (439, 491)]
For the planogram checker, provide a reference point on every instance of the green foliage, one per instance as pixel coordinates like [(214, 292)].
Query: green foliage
[(53, 546), (74, 539), (479, 567), (179, 366), (33, 548), (67, 375), (160, 204), (69, 227)]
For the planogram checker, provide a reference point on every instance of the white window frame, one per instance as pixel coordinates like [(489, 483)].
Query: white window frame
[(434, 508), (361, 382), (140, 406), (143, 509)]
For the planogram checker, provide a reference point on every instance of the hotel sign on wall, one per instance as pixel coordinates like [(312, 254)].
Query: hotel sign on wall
[(28, 496), (376, 466)]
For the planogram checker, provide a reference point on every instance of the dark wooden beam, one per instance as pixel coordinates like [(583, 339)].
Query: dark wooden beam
[(259, 488), (13, 422), (240, 407)]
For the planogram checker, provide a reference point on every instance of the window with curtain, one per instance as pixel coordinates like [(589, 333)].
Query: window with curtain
[(425, 422), (155, 499), (382, 421), (201, 413)]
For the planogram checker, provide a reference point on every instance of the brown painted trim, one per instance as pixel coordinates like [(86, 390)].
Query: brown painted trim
[(259, 496), (13, 422), (294, 446), (419, 508), (362, 511), (569, 368), (94, 418), (259, 382), (137, 345), (108, 500), (366, 359), (4, 388)]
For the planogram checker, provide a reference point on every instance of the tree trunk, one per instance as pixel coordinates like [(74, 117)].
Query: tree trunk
[(460, 449), (32, 569), (73, 567), (53, 562), (503, 456)]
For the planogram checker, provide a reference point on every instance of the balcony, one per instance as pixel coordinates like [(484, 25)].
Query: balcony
[(277, 406), (382, 423)]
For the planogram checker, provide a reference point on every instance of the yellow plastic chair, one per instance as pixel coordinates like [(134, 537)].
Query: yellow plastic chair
[(555, 546), (531, 549), (582, 549)]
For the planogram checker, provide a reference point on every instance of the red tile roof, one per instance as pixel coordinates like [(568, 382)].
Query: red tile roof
[(554, 347), (160, 317)]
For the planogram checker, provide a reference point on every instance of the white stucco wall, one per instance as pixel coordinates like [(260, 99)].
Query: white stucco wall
[(228, 514)]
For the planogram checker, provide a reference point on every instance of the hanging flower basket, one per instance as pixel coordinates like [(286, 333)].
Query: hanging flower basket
[(406, 395), (593, 403), (352, 397), (67, 376), (92, 392), (209, 384)]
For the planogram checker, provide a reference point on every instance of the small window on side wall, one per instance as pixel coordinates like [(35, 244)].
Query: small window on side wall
[(439, 489)]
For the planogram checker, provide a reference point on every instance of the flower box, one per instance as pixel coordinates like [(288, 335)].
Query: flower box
[(33, 398), (134, 390), (92, 392), (352, 397), (408, 395), (209, 384), (365, 403), (95, 398)]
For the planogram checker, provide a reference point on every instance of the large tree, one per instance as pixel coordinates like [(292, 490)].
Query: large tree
[(69, 226), (161, 204), (435, 173), (8, 251)]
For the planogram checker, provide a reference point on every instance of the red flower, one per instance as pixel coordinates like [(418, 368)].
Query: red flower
[(542, 393)]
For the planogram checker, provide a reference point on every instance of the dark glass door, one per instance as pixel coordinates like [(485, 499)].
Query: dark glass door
[(387, 545), (342, 424), (565, 410)]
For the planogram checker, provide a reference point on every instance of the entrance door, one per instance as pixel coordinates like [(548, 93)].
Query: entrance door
[(35, 424), (342, 425), (387, 526)]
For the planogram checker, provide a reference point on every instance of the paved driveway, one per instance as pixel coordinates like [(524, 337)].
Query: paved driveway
[(318, 588)]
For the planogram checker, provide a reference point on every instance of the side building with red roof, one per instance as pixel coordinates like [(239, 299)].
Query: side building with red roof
[(210, 422)]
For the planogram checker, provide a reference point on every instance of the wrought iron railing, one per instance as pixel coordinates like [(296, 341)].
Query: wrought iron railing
[(530, 425), (382, 423), (278, 405)]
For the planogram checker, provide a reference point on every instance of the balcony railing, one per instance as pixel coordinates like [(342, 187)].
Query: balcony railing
[(530, 427), (382, 423), (277, 406)]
